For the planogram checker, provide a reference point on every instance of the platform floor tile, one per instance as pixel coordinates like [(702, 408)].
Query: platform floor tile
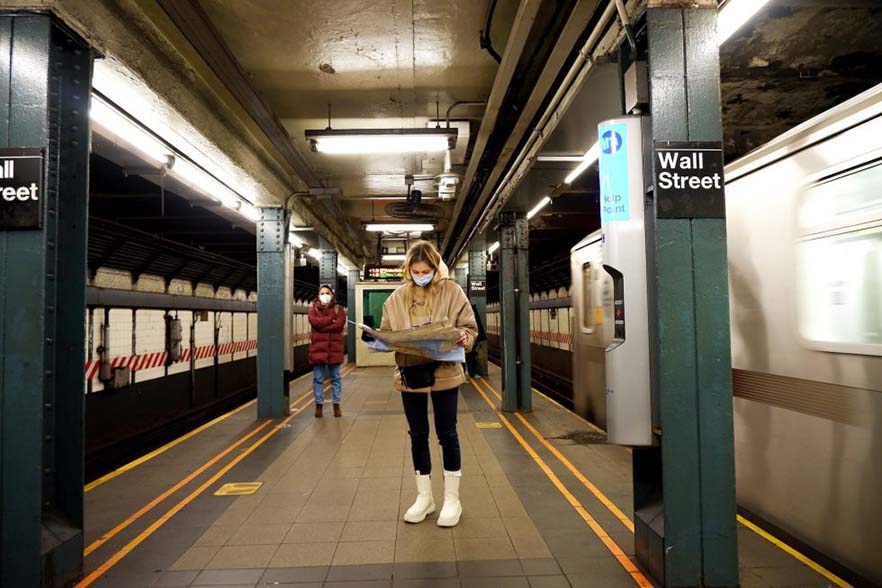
[(334, 491)]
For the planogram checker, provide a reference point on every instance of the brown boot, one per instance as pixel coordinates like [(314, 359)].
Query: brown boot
[(337, 411), (318, 411)]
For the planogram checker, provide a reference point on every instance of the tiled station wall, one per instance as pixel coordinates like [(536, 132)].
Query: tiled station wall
[(137, 337), (549, 327)]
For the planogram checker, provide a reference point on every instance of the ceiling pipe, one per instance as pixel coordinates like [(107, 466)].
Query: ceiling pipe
[(558, 105), (486, 41), (463, 103)]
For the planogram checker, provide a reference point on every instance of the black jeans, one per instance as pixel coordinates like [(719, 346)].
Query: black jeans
[(416, 409)]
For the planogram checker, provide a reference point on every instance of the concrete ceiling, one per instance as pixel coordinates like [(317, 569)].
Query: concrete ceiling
[(380, 64)]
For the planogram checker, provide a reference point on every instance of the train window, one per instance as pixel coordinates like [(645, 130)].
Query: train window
[(587, 298), (839, 262)]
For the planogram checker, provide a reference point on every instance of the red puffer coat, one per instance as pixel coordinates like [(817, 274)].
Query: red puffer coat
[(326, 343)]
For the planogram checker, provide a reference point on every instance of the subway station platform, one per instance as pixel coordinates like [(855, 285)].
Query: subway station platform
[(546, 504)]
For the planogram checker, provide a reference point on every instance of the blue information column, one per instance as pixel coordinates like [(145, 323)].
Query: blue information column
[(45, 81)]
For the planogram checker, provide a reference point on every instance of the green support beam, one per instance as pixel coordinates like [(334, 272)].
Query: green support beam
[(273, 313), (477, 292), (45, 80), (514, 295), (460, 276), (328, 265), (353, 278), (685, 490)]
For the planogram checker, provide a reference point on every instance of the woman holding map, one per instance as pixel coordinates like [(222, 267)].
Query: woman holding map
[(429, 296)]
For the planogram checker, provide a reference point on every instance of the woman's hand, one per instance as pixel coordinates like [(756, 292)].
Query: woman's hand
[(463, 338)]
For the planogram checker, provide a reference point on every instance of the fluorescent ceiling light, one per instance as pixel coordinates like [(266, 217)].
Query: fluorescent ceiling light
[(402, 228), (371, 141), (126, 131), (294, 240), (734, 14), (129, 132), (394, 257), (316, 254), (493, 248), (589, 158), (249, 212), (542, 204), (341, 270)]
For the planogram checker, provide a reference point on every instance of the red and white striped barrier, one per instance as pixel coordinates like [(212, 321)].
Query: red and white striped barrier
[(156, 359)]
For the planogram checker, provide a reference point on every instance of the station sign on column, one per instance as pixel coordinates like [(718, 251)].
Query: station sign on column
[(689, 179), (21, 188)]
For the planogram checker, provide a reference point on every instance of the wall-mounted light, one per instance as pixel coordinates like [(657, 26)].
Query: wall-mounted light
[(112, 121), (733, 14), (294, 240), (493, 248), (589, 158), (126, 131), (542, 204), (400, 228), (370, 141)]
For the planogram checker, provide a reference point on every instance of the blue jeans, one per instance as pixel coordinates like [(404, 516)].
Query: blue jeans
[(318, 382)]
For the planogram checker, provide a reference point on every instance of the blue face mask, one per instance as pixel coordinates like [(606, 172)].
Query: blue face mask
[(423, 280)]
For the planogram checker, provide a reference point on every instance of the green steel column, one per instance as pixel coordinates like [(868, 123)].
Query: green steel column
[(477, 292), (352, 279), (514, 295), (696, 459), (272, 390), (45, 79), (461, 277), (328, 265)]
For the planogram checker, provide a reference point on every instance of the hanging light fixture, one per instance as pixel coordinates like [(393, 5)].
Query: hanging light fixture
[(398, 228), (370, 141)]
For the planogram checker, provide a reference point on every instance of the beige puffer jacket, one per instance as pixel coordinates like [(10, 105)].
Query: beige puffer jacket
[(401, 312)]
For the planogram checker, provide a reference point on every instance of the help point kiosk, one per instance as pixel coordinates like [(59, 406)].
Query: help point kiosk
[(624, 259)]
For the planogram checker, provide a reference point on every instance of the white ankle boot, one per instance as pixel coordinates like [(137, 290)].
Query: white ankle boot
[(452, 508), (424, 503)]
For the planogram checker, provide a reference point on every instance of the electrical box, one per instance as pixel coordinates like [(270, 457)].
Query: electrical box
[(627, 356), (636, 83), (122, 377), (174, 336)]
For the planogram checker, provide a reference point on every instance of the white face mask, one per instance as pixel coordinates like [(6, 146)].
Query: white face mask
[(325, 299)]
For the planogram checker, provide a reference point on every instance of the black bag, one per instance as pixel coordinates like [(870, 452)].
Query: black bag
[(418, 376)]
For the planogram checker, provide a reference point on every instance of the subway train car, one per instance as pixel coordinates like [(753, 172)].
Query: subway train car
[(804, 218)]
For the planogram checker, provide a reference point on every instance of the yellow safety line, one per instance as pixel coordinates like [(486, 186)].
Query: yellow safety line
[(189, 478), (796, 554), (622, 517), (759, 531), (578, 416), (620, 555), (145, 458), (131, 545), (150, 505)]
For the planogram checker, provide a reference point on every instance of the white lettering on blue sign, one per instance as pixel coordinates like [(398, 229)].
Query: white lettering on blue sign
[(613, 167)]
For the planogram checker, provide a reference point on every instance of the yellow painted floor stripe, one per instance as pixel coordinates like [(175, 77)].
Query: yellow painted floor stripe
[(609, 504), (795, 554), (189, 478), (604, 537), (145, 458), (144, 535), (759, 531)]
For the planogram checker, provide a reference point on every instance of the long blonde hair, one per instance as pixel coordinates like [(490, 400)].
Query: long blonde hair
[(426, 252)]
